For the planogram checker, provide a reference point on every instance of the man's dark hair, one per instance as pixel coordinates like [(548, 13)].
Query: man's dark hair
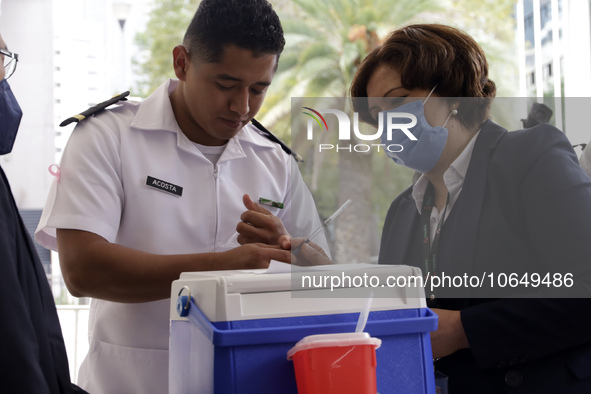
[(247, 24)]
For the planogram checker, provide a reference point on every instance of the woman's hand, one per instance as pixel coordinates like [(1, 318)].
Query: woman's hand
[(449, 336), (309, 253)]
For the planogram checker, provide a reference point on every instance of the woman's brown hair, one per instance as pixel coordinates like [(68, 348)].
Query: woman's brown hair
[(432, 55)]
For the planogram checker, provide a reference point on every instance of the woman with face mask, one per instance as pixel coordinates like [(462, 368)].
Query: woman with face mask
[(33, 355), (489, 204)]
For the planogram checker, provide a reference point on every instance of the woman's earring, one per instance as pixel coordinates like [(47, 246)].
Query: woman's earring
[(454, 112)]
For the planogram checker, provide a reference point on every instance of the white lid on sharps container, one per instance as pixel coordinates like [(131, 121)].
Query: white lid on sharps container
[(333, 340)]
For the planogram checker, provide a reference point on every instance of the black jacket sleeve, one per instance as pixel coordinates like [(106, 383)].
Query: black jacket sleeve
[(33, 358)]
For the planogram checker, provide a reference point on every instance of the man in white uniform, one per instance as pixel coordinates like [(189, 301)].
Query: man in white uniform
[(149, 190)]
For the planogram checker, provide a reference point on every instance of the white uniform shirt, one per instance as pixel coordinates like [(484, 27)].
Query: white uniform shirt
[(102, 189)]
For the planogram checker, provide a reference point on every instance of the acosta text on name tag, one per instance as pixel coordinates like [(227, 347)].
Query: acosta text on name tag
[(164, 186)]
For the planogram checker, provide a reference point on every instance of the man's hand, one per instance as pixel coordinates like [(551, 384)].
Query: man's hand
[(259, 225), (449, 336), (252, 256)]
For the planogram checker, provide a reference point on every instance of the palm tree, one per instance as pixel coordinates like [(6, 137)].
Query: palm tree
[(166, 26), (325, 42)]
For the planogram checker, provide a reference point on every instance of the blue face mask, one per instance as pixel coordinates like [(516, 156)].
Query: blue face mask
[(10, 118), (420, 155)]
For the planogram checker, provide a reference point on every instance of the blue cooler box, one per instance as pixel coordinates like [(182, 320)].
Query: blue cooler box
[(239, 326)]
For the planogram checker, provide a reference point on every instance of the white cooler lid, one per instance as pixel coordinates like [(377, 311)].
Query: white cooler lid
[(261, 294)]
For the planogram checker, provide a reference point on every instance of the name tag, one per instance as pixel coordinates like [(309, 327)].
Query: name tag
[(164, 186)]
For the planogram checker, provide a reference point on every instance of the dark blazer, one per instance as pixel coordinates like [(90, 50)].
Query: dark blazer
[(33, 356), (525, 206)]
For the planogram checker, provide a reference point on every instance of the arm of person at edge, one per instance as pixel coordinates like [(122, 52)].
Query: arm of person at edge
[(123, 274), (16, 326), (260, 225)]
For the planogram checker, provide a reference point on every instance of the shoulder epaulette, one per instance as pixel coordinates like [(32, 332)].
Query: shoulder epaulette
[(268, 135), (583, 146), (95, 109)]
